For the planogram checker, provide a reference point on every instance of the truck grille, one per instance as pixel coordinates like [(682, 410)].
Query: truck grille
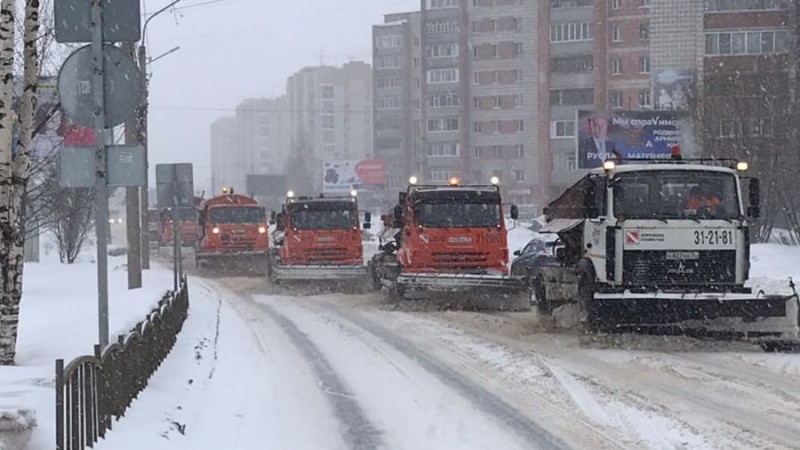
[(665, 268), (323, 255), (460, 257), (237, 243)]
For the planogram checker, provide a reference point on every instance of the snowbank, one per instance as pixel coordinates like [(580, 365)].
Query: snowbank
[(58, 319)]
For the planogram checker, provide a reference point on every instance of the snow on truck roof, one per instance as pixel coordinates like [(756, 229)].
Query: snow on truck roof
[(677, 166)]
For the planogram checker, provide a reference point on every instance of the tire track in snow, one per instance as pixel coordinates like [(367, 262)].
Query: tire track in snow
[(358, 431), (483, 399)]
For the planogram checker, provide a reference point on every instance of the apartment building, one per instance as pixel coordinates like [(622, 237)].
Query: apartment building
[(445, 91), (331, 113), (746, 75), (226, 167), (397, 98), (503, 66), (262, 133)]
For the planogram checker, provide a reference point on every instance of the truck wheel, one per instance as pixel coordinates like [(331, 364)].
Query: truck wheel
[(539, 296), (592, 321)]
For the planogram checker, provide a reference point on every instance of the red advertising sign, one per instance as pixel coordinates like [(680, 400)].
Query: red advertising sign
[(372, 172)]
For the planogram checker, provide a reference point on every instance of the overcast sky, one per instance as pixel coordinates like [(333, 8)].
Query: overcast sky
[(236, 49)]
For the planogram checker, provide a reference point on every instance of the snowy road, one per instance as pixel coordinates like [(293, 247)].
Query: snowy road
[(280, 369)]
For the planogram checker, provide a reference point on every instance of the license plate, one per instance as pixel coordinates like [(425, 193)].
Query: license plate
[(683, 256), (460, 240)]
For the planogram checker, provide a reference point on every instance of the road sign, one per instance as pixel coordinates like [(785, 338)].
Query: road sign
[(122, 86), (73, 20), (77, 166), (175, 179)]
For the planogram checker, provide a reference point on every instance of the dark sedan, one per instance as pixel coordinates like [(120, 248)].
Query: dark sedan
[(533, 255)]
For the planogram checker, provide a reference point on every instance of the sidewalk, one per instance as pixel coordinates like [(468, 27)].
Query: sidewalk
[(58, 319)]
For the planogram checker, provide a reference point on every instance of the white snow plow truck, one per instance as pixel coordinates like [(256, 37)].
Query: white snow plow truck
[(660, 245)]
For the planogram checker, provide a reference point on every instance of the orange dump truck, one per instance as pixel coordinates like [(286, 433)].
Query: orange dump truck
[(318, 239), (233, 231)]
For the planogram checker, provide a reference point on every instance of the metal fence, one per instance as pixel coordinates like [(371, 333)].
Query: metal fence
[(92, 391)]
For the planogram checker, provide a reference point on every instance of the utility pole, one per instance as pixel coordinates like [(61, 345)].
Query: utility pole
[(141, 136), (101, 188), (133, 222)]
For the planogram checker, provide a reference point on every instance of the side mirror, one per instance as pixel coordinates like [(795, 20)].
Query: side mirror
[(272, 215), (514, 212), (753, 212), (366, 225), (402, 198), (755, 192), (398, 217), (561, 254), (279, 222), (517, 253), (367, 217)]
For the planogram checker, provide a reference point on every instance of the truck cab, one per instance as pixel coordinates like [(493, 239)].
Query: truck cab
[(656, 242), (234, 227), (449, 238), (318, 238)]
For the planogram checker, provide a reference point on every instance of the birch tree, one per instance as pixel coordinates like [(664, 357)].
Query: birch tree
[(14, 165)]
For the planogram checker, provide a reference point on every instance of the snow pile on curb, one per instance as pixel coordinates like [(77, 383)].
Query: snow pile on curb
[(16, 429)]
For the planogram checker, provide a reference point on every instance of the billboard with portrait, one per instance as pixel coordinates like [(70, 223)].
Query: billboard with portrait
[(628, 134)]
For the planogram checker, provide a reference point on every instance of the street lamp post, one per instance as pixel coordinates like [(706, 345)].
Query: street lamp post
[(143, 139)]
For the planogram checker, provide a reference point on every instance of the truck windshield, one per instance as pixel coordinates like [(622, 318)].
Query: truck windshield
[(238, 215), (457, 214), (311, 219), (676, 194)]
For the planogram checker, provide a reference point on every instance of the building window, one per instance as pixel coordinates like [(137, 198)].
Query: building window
[(519, 175), (571, 97), (747, 42), (644, 3), (327, 122), (745, 5), (644, 64), (448, 50), (616, 67), (438, 175), (572, 64), (394, 102), (477, 176), (562, 129), (326, 91), (443, 100), (439, 4), (443, 124), (616, 4), (477, 152), (388, 62), (441, 26), (443, 149), (616, 99), (644, 32), (570, 3), (438, 76), (389, 41), (571, 32), (616, 33), (387, 82), (644, 98), (519, 151)]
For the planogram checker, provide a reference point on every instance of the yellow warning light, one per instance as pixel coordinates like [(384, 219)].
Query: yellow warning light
[(412, 180), (290, 194), (454, 181), (609, 165), (225, 190), (495, 180), (742, 166)]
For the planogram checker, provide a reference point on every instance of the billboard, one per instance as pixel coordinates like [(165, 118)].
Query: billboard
[(628, 134), (343, 176), (672, 88)]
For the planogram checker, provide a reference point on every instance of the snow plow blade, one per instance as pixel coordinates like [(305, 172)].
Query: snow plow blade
[(319, 272), (246, 263), (489, 292), (743, 315)]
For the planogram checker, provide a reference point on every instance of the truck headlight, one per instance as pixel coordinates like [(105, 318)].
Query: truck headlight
[(262, 230), (215, 230)]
